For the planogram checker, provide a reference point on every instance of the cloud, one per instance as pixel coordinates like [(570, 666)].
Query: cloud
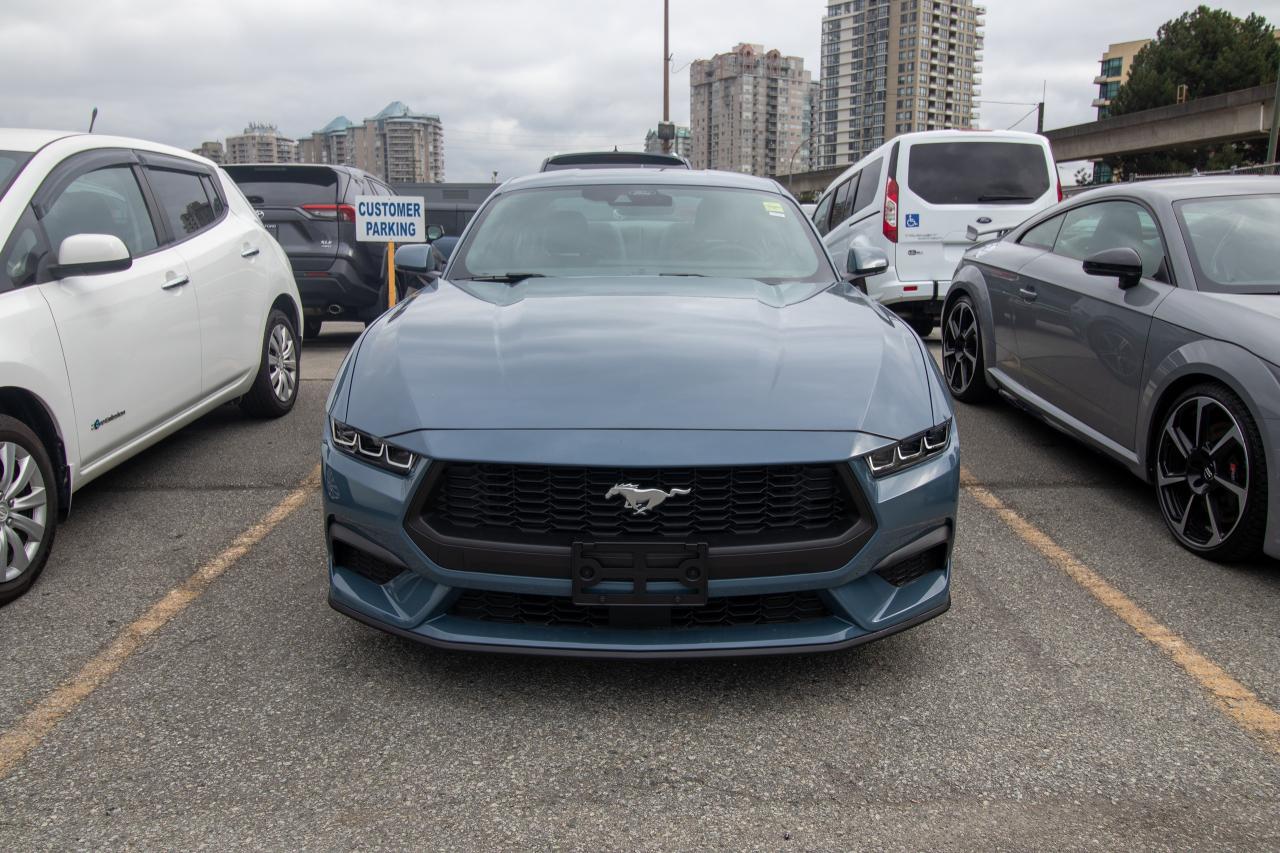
[(512, 81)]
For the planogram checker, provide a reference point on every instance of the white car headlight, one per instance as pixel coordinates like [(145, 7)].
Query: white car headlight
[(910, 451), (371, 449)]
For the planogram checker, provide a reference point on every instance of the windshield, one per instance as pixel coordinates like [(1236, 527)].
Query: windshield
[(977, 172), (1232, 242), (11, 163), (642, 230)]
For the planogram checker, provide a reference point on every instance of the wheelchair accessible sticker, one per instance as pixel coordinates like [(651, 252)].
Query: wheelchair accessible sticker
[(913, 220)]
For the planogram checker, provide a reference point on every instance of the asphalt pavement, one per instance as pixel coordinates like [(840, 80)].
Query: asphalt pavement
[(1031, 716)]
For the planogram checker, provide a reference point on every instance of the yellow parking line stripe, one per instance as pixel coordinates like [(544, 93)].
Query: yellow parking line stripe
[(1237, 701), (37, 723)]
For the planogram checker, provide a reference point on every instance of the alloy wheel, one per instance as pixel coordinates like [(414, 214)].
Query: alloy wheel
[(960, 347), (1202, 471), (24, 510), (282, 362)]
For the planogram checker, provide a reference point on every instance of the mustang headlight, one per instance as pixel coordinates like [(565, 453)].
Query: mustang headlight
[(909, 451), (368, 448)]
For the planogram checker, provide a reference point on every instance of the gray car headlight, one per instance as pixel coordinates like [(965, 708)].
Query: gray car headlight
[(371, 449), (910, 451)]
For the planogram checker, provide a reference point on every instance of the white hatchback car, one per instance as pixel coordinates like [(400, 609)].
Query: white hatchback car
[(137, 291), (915, 197)]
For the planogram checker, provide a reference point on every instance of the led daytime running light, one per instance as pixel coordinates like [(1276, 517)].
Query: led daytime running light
[(909, 451), (370, 449)]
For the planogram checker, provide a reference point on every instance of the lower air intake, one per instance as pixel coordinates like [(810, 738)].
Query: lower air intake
[(555, 611)]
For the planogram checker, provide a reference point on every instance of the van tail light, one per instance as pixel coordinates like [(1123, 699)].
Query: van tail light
[(891, 210), (341, 212), (1060, 195)]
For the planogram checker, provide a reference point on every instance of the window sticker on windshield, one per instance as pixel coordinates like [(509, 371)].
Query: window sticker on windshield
[(775, 209), (913, 220)]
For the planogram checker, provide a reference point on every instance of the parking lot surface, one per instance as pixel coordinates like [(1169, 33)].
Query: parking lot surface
[(246, 713)]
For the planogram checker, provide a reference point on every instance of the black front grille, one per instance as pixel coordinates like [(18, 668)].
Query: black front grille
[(555, 611), (558, 505)]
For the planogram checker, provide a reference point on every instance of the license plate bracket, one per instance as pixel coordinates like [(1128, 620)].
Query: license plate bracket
[(639, 574)]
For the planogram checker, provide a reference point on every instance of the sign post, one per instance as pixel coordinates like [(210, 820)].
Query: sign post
[(391, 219)]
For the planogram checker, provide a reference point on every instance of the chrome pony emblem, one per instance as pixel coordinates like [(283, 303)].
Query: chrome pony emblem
[(641, 500)]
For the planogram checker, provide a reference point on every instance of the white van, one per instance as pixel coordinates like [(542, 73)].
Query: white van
[(914, 198)]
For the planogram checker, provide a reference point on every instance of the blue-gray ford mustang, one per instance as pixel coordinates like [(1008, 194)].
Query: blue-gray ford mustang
[(641, 414)]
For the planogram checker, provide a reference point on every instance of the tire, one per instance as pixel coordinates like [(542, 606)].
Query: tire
[(963, 365), (921, 323), (275, 388), (28, 506), (1210, 472), (311, 329)]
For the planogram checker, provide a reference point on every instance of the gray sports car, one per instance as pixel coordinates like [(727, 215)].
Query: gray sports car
[(1144, 319)]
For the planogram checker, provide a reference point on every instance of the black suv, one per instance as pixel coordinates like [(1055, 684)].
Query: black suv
[(612, 160), (310, 210)]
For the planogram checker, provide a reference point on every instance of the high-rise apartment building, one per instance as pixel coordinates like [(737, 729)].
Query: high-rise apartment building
[(261, 143), (1115, 66), (750, 112), (679, 146), (397, 144), (896, 66), (213, 150), (332, 143)]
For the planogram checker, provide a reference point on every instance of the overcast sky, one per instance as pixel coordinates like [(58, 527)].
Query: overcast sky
[(512, 80)]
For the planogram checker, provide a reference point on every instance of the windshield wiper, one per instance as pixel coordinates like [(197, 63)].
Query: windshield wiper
[(1006, 198), (506, 277)]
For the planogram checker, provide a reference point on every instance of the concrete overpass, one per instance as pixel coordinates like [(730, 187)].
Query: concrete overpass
[(802, 184), (1229, 117)]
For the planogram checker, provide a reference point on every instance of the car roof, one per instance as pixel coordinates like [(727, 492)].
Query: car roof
[(671, 176), (27, 139), (350, 170), (1202, 186), (973, 133)]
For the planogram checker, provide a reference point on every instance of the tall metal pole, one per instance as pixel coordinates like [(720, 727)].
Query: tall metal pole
[(666, 69), (1275, 125)]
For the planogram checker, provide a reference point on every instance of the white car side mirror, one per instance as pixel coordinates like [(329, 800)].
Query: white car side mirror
[(91, 254)]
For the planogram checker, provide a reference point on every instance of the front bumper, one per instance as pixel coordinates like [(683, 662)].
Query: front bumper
[(366, 507)]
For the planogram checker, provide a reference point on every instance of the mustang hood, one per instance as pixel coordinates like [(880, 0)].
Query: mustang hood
[(639, 353)]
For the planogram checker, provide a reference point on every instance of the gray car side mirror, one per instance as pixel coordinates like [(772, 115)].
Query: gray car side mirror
[(1122, 262), (864, 261), (415, 258)]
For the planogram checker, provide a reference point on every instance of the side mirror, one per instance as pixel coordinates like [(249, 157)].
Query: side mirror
[(91, 254), (1121, 262), (414, 258), (434, 232), (864, 261)]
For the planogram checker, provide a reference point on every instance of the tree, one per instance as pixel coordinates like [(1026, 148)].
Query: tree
[(1210, 51)]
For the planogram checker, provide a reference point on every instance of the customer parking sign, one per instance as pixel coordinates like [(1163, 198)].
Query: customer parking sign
[(399, 219)]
